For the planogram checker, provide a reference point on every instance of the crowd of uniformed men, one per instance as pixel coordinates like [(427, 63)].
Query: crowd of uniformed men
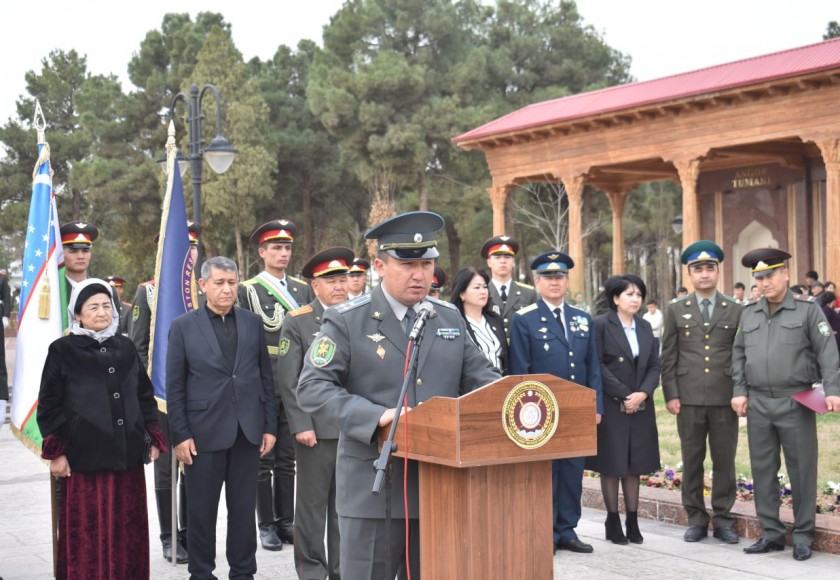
[(720, 360)]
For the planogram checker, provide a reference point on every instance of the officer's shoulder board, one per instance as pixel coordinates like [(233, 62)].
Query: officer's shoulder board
[(147, 283), (680, 299), (751, 302), (306, 309), (804, 298), (441, 303), (352, 304), (298, 280), (729, 300), (528, 286), (250, 282), (526, 309)]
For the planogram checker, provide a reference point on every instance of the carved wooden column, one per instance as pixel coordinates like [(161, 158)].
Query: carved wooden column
[(498, 198), (574, 192), (689, 171), (830, 149), (617, 199)]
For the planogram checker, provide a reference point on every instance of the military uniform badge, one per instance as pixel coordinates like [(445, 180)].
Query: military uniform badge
[(322, 351)]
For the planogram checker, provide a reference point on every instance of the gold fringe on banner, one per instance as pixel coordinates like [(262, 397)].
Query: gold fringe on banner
[(44, 299)]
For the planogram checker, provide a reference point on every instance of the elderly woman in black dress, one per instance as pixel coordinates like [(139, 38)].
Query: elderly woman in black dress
[(628, 443), (471, 297), (97, 414)]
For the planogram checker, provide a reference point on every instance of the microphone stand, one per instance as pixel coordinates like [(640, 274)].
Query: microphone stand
[(383, 464)]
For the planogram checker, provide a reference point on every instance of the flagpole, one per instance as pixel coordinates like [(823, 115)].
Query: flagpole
[(40, 124)]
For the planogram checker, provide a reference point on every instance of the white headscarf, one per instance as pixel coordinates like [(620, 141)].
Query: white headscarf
[(75, 325)]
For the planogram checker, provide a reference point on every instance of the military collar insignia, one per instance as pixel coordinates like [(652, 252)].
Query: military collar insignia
[(686, 316), (496, 309), (543, 329), (448, 333), (377, 315), (376, 337)]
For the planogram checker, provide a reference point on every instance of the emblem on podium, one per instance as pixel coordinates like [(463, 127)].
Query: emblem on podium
[(530, 414)]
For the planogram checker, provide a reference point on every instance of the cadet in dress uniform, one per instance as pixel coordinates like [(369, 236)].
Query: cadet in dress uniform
[(506, 295), (553, 337), (438, 282), (783, 346), (77, 239), (352, 377), (272, 294), (140, 330), (357, 277), (316, 441), (697, 335)]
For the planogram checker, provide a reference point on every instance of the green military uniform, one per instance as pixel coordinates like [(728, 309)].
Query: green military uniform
[(775, 356), (516, 295), (315, 465), (696, 361), (272, 299)]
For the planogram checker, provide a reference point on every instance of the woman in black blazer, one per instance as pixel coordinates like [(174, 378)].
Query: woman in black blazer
[(471, 296), (628, 442)]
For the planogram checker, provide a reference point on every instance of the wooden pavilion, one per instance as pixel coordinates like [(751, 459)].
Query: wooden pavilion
[(754, 144)]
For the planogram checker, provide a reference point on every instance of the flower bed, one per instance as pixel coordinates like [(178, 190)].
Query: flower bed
[(828, 499)]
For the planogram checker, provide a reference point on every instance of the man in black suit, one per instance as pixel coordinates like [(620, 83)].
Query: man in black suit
[(222, 417)]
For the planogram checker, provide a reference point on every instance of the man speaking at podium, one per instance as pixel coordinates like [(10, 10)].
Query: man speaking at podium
[(352, 377)]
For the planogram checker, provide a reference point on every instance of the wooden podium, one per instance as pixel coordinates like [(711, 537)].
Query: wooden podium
[(485, 501)]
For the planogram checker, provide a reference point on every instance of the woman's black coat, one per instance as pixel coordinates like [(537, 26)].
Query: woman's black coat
[(96, 398), (627, 444)]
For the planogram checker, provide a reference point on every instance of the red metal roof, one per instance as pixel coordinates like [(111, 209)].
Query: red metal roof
[(769, 67)]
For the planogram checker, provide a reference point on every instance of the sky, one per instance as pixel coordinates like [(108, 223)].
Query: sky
[(663, 37)]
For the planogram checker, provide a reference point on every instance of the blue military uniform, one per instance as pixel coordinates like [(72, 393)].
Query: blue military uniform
[(538, 344)]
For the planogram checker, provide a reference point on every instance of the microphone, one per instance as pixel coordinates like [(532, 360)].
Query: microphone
[(426, 310)]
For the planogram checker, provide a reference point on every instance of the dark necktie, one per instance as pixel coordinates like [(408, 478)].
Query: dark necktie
[(410, 317), (283, 282), (558, 314), (704, 309), (504, 293)]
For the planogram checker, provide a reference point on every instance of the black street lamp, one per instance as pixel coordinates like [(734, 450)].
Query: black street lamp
[(219, 153)]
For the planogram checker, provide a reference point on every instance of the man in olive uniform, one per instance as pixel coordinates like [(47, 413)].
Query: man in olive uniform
[(352, 377), (316, 441), (784, 345), (506, 295), (697, 335), (77, 239), (272, 294), (140, 329), (357, 277)]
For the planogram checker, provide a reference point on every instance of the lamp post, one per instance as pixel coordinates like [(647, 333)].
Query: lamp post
[(219, 153)]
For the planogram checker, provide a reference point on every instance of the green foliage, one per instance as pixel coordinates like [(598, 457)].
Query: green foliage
[(832, 30)]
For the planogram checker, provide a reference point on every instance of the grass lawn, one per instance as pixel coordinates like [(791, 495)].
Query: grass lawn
[(828, 433)]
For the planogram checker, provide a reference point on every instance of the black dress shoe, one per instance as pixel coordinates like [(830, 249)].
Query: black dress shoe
[(763, 546), (726, 534), (575, 546), (269, 539), (801, 551), (285, 530), (695, 533)]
